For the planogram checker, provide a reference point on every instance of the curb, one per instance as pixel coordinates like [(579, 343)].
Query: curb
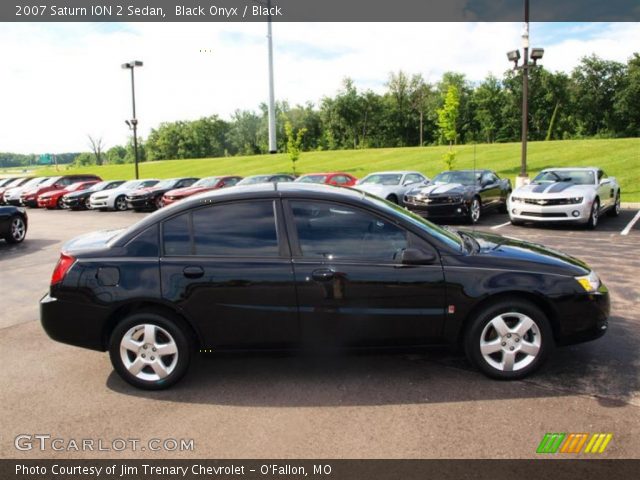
[(630, 205)]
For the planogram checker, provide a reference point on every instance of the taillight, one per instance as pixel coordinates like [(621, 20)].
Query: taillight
[(62, 267)]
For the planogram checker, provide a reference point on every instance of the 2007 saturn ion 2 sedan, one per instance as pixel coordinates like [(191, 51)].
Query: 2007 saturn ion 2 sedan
[(295, 265)]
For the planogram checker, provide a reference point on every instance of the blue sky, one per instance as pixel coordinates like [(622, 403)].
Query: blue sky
[(62, 82)]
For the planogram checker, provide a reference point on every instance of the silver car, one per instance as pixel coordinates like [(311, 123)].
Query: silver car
[(391, 185), (562, 195)]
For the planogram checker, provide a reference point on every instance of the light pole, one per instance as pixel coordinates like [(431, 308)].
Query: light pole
[(133, 123), (273, 147), (514, 56)]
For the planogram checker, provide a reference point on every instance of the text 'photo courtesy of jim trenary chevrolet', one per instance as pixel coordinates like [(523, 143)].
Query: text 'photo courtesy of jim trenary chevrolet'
[(286, 244)]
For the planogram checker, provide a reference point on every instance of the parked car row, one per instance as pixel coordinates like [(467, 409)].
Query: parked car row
[(559, 195)]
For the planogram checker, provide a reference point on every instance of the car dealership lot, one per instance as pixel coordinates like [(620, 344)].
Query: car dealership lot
[(405, 405)]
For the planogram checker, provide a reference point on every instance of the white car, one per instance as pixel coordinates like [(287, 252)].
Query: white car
[(391, 185), (561, 195), (13, 196), (115, 199)]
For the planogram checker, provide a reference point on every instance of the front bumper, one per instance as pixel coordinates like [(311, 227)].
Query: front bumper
[(582, 317), (446, 210), (574, 213), (141, 203), (74, 202), (101, 203), (46, 203)]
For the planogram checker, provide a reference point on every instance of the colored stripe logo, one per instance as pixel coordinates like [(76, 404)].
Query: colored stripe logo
[(574, 443)]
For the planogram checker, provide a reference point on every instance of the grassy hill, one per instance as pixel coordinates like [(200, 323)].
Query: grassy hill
[(619, 158)]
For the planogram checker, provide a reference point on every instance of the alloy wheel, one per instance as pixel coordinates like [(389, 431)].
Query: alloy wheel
[(18, 229), (149, 352), (474, 213), (121, 203), (510, 341)]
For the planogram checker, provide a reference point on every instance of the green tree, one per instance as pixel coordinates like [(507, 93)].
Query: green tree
[(447, 122), (294, 142)]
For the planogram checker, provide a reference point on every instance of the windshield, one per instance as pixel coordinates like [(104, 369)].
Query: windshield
[(50, 181), (445, 236), (98, 186), (17, 182), (207, 182), (256, 179), (163, 184), (382, 179), (579, 177), (463, 178), (312, 179)]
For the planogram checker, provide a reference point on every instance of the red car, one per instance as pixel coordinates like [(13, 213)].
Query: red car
[(339, 179), (53, 199), (202, 185), (29, 198)]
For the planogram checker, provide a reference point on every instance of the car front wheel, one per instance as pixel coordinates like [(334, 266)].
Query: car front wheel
[(594, 216), (17, 230), (474, 211), (121, 203), (509, 340), (615, 211), (150, 350)]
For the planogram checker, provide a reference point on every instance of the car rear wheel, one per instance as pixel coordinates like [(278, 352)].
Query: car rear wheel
[(150, 350), (87, 204), (159, 202), (615, 211), (474, 211), (17, 230), (59, 204), (508, 340), (120, 203), (393, 199), (595, 214)]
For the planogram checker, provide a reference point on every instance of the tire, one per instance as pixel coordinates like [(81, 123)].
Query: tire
[(17, 230), (120, 203), (86, 205), (137, 338), (159, 202), (393, 199), (496, 337), (516, 223), (594, 217), (59, 204), (615, 211), (503, 208), (475, 211)]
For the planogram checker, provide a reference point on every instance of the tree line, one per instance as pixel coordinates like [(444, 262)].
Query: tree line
[(598, 98)]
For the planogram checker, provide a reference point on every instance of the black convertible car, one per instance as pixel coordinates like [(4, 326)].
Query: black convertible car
[(291, 265), (463, 194), (13, 224)]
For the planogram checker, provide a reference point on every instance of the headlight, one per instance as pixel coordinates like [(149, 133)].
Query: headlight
[(590, 282), (575, 200), (516, 199)]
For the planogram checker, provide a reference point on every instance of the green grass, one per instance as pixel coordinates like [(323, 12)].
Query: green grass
[(619, 158)]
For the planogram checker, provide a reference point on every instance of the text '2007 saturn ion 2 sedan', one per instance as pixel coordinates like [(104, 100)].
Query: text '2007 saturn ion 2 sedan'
[(294, 265)]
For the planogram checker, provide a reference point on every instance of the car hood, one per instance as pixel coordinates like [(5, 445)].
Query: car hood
[(187, 191), (501, 250), (80, 193), (441, 189), (144, 191), (90, 241), (557, 189), (51, 193)]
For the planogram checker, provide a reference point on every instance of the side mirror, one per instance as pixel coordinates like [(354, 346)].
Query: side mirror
[(603, 181), (415, 256)]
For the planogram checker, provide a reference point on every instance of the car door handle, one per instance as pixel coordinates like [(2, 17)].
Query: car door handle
[(193, 272), (322, 274)]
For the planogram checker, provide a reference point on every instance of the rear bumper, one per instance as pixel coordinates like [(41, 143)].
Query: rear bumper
[(82, 324)]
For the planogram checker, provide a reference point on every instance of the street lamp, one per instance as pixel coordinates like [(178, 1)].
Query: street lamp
[(514, 56), (133, 123)]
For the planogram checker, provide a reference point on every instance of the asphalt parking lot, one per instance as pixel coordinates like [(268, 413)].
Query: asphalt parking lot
[(426, 404)]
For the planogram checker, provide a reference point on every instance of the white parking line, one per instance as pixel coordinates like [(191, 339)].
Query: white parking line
[(495, 227), (630, 225)]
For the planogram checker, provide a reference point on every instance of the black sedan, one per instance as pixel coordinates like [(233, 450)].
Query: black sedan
[(460, 194), (80, 200), (13, 224), (291, 265), (150, 198)]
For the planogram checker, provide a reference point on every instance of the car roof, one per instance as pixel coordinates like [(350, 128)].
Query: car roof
[(564, 169)]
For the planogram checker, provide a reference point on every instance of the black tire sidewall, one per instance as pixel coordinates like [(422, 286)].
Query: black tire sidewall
[(470, 215), (115, 203), (475, 327), (9, 238), (167, 322)]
